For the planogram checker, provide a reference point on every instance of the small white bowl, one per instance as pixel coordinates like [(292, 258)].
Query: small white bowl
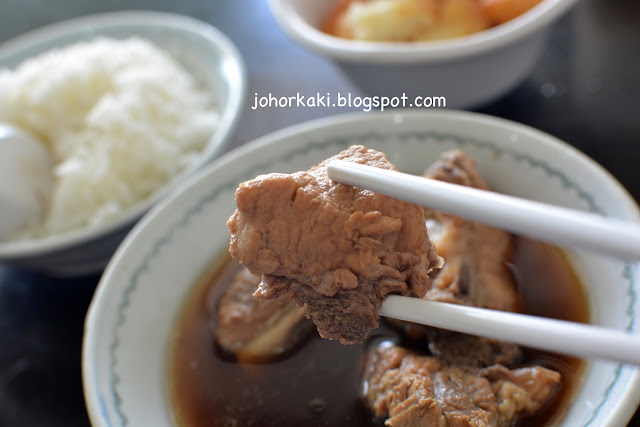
[(202, 49), (135, 308), (467, 71)]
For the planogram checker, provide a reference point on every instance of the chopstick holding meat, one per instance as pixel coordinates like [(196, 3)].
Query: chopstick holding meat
[(337, 250)]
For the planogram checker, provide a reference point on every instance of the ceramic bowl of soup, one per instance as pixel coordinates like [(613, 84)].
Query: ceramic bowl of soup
[(466, 70), (150, 356)]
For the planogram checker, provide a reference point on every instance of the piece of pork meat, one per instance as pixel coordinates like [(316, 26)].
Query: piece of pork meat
[(468, 350), (413, 390), (475, 273), (477, 257), (254, 330), (337, 250)]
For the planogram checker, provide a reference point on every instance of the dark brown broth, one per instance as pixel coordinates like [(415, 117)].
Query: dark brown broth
[(319, 384)]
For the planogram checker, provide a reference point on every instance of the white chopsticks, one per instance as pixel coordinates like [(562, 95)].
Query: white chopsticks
[(561, 226), (560, 336), (564, 227)]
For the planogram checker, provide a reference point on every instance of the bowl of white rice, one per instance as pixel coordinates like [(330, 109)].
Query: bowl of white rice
[(127, 105)]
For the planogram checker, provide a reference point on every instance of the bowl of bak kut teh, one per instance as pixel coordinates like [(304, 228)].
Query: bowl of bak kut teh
[(250, 296), (469, 52)]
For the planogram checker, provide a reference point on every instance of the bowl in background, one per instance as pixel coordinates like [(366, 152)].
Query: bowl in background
[(203, 50), (136, 306), (468, 71)]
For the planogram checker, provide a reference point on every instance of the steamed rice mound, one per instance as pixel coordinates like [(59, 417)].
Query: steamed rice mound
[(120, 119)]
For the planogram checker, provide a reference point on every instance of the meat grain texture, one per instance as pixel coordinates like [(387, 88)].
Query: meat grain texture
[(414, 390), (335, 249), (477, 256)]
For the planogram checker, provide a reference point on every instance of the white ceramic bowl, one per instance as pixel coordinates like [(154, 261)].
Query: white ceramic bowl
[(467, 71), (128, 326), (203, 50)]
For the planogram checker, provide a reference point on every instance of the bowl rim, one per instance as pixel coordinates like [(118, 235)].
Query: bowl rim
[(227, 122), (492, 39), (625, 406)]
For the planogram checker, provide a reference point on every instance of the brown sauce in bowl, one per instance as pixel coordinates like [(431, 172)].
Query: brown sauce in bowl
[(320, 383)]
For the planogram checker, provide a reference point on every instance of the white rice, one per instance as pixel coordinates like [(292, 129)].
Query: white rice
[(120, 119)]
